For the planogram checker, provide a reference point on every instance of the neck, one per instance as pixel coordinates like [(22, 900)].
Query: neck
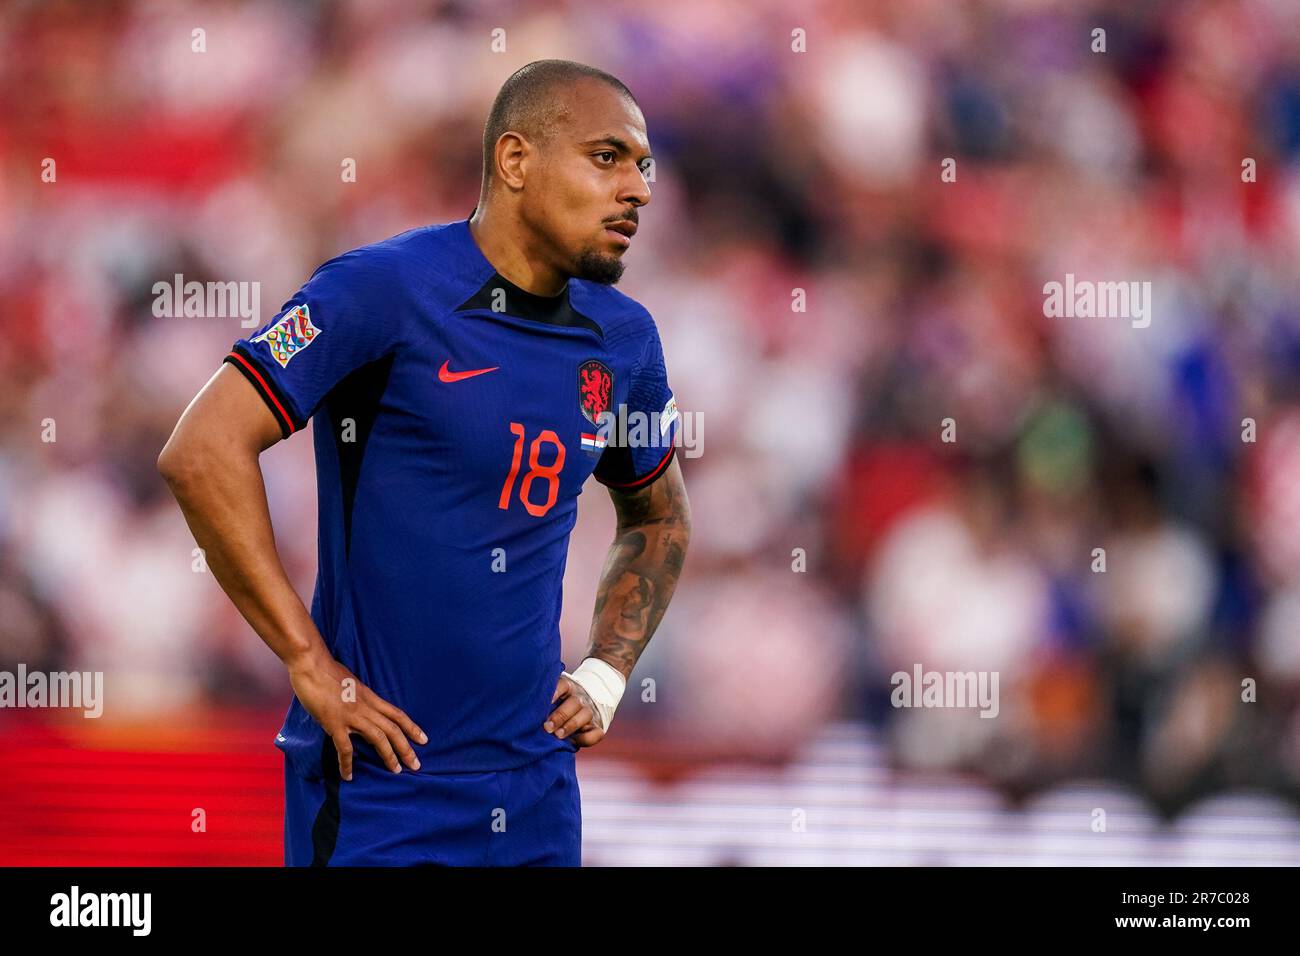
[(513, 252)]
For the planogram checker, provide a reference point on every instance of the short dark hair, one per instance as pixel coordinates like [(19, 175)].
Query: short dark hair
[(526, 102)]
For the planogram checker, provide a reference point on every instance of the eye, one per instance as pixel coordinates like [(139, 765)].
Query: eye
[(607, 152)]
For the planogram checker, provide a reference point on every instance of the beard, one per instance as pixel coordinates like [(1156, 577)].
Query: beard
[(599, 267)]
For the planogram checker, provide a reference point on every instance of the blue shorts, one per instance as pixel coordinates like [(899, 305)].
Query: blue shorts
[(529, 816)]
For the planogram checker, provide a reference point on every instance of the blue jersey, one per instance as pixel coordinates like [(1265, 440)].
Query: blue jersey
[(456, 418)]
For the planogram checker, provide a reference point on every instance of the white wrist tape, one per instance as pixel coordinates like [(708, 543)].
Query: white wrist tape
[(605, 685)]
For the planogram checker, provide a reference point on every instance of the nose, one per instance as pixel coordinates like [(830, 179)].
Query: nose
[(634, 189)]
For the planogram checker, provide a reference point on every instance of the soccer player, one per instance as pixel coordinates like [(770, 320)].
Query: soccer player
[(460, 378)]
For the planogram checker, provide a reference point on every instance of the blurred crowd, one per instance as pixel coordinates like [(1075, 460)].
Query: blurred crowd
[(1112, 528)]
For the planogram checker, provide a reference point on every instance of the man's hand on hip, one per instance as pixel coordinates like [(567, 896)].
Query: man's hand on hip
[(343, 706)]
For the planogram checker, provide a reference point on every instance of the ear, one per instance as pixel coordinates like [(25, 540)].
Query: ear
[(513, 155)]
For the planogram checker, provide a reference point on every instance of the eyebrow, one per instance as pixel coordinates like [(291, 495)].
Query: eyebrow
[(620, 146)]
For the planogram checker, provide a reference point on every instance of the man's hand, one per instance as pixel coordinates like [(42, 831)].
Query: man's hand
[(575, 719), (318, 683)]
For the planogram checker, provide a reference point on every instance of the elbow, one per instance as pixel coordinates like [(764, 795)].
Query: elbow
[(178, 463), (171, 464), (193, 457)]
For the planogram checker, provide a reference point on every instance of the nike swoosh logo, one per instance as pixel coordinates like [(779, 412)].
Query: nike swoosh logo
[(447, 375)]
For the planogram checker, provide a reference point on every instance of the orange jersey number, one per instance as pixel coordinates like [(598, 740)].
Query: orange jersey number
[(536, 470)]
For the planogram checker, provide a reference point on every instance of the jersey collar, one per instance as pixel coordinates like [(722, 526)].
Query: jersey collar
[(499, 294)]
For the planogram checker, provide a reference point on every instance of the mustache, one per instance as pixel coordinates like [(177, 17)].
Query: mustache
[(629, 216)]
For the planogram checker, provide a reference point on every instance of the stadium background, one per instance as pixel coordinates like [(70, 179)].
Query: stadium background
[(771, 738)]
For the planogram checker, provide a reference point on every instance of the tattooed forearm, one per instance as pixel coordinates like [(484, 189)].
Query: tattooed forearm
[(641, 570)]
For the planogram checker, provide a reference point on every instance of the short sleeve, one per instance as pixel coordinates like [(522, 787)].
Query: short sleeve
[(342, 318), (646, 447)]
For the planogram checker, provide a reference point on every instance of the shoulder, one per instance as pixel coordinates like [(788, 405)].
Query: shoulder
[(426, 264), (381, 261), (626, 323)]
